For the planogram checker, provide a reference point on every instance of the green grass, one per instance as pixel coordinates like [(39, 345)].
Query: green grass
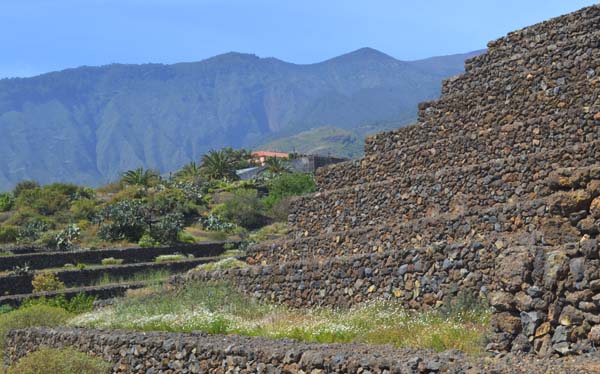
[(151, 277), (270, 232), (31, 316), (216, 308), (170, 258), (64, 361), (112, 261), (226, 263)]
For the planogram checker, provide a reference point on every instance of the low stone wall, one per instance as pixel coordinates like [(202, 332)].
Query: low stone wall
[(95, 256), (414, 197), (521, 222), (21, 284), (100, 292), (419, 278), (389, 166), (155, 352)]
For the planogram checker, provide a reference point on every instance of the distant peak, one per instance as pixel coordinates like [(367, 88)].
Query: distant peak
[(364, 53)]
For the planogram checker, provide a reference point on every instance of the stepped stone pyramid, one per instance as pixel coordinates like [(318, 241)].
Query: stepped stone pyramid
[(494, 192)]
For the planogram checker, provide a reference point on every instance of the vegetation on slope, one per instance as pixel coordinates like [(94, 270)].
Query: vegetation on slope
[(216, 308), (201, 201)]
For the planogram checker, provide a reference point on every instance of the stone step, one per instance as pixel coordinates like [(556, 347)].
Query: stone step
[(428, 195), (419, 277), (108, 291), (463, 150), (45, 260), (73, 277), (528, 222)]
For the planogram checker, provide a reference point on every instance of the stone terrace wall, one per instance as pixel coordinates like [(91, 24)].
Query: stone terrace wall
[(525, 223), (426, 196), (94, 256), (21, 284), (154, 352), (392, 166), (417, 277)]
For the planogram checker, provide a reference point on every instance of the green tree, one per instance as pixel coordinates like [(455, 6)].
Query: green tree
[(140, 177), (276, 166), (7, 201), (24, 186), (244, 209), (189, 173), (240, 158), (218, 165)]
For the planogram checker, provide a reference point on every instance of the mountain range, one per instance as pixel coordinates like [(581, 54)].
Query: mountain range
[(89, 124)]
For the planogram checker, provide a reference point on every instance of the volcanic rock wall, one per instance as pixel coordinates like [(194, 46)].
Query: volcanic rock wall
[(495, 192)]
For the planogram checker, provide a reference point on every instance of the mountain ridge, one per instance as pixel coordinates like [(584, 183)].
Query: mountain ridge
[(88, 124)]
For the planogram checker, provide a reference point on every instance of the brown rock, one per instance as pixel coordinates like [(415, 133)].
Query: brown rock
[(595, 208), (502, 301), (506, 322), (543, 329), (594, 334), (565, 203)]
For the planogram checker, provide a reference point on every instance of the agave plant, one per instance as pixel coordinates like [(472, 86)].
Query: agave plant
[(140, 177), (218, 165)]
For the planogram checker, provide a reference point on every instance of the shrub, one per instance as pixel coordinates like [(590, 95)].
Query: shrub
[(44, 282), (67, 237), (7, 201), (8, 234), (24, 186), (32, 231), (84, 209), (146, 241), (244, 209), (78, 304), (67, 361), (185, 237), (47, 239), (167, 229), (280, 209), (31, 316), (123, 220), (46, 200), (170, 258), (226, 263), (112, 261), (286, 185), (214, 223)]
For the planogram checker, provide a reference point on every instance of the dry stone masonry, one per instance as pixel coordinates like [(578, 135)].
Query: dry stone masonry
[(494, 192), (156, 352)]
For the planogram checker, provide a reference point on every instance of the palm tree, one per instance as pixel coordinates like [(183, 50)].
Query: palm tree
[(140, 177), (218, 165), (276, 166), (189, 172)]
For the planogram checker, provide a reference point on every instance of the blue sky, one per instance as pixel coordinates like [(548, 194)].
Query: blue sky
[(37, 36)]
